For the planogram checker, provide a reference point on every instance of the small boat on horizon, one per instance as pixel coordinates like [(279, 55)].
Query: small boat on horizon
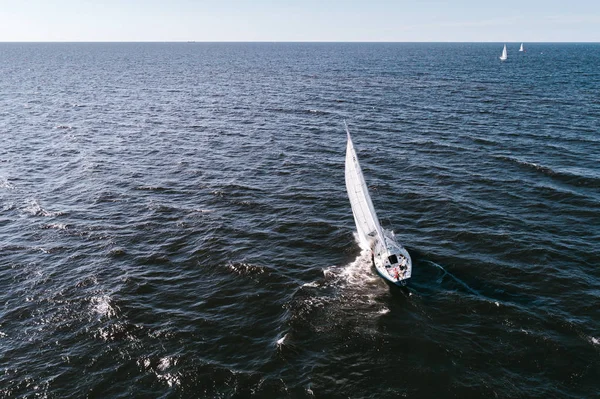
[(391, 260), (521, 48), (504, 55)]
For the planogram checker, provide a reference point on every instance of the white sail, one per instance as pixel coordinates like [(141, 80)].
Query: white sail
[(367, 225), (504, 54), (521, 48)]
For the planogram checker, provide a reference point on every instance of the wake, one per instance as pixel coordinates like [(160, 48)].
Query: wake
[(453, 277)]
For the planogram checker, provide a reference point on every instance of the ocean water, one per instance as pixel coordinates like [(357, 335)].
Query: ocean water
[(174, 221)]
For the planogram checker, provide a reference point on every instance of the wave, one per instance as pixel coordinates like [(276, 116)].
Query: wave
[(574, 177), (436, 147), (58, 226), (356, 274), (246, 269), (102, 306), (8, 206), (4, 183), (323, 304), (35, 209), (453, 277), (154, 188), (160, 368), (295, 111)]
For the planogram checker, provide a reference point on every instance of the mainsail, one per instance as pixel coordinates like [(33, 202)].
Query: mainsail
[(367, 224), (504, 55)]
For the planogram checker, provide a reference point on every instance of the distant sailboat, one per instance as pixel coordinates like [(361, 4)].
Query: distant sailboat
[(521, 48), (504, 56)]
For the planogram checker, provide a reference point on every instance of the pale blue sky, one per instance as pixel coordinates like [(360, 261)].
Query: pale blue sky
[(292, 20)]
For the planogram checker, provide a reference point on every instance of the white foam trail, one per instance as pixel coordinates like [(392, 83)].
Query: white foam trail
[(357, 273)]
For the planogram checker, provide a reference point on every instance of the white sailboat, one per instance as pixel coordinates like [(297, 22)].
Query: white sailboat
[(521, 48), (504, 56), (391, 260)]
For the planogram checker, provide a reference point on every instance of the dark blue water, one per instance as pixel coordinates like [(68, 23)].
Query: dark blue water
[(174, 221)]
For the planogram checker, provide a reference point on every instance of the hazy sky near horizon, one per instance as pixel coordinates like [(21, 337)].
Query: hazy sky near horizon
[(294, 20)]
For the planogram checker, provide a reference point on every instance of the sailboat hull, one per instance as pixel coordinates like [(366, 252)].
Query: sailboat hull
[(383, 273), (397, 283)]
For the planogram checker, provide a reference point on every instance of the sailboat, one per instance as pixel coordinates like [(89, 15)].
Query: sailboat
[(391, 260), (521, 48), (504, 56)]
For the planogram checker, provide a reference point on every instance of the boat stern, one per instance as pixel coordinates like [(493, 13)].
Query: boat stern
[(394, 267)]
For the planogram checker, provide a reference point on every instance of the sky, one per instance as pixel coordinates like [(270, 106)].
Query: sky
[(295, 20)]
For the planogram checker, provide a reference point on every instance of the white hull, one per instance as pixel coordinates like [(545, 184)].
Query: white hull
[(399, 272), (391, 259)]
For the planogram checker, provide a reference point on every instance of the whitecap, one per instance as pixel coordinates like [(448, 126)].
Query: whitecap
[(144, 362), (9, 206), (59, 226), (281, 340), (166, 362), (170, 379), (4, 183), (35, 209), (245, 268), (102, 306)]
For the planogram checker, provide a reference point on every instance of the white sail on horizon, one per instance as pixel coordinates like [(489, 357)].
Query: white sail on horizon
[(504, 55)]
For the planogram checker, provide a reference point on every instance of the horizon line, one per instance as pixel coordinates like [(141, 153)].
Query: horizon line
[(289, 41)]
